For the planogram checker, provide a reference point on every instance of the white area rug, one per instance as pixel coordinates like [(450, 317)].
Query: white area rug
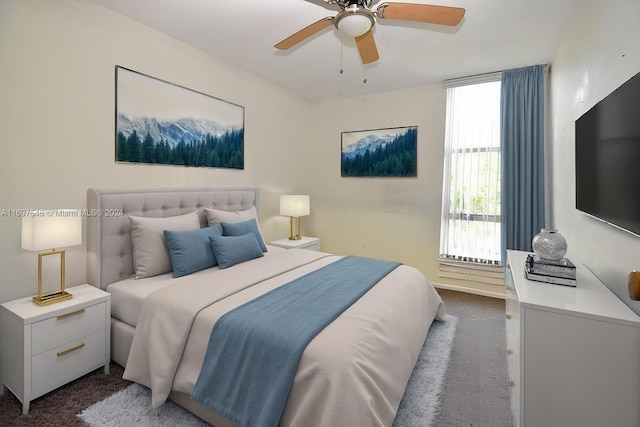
[(132, 405)]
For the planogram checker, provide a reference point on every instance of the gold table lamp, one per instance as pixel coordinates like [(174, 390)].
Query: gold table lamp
[(48, 231), (294, 206)]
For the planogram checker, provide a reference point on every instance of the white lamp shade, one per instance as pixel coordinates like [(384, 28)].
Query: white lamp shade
[(355, 24), (52, 229), (295, 205)]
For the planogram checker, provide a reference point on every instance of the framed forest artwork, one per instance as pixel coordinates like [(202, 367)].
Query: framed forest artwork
[(162, 123), (389, 152)]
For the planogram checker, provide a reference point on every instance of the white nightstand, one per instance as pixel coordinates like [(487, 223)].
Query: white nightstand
[(310, 243), (45, 347)]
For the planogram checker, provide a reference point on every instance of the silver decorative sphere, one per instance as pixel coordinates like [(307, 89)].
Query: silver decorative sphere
[(549, 245)]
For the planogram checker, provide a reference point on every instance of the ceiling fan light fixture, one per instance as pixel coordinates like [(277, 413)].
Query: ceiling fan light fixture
[(355, 20)]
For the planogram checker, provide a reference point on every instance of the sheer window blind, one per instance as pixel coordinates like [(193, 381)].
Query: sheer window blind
[(470, 228)]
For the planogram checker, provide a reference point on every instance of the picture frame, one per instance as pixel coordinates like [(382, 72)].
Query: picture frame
[(386, 152), (162, 123)]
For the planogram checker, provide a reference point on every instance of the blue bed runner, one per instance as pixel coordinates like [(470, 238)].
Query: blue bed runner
[(254, 350)]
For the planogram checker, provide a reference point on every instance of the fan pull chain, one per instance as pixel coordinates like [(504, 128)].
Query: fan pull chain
[(341, 70), (364, 80)]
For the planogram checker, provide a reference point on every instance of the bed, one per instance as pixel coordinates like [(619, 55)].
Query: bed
[(353, 372)]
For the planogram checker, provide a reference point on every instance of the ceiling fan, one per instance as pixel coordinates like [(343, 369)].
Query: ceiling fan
[(356, 18)]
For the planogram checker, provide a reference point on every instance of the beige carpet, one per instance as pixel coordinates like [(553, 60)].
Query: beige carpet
[(476, 392)]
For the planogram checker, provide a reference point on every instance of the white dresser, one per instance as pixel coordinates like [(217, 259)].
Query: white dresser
[(45, 347), (573, 353)]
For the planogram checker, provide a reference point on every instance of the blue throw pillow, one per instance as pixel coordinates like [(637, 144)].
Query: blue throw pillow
[(232, 250), (190, 250), (242, 228)]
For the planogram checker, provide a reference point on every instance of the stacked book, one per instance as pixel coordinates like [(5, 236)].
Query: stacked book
[(560, 272)]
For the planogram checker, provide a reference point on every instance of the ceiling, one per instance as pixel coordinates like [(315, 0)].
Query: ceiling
[(494, 35)]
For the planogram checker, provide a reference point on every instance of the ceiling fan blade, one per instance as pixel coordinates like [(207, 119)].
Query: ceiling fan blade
[(304, 33), (430, 14), (367, 48)]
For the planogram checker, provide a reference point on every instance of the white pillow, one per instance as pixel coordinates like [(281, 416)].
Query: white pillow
[(150, 251), (215, 216)]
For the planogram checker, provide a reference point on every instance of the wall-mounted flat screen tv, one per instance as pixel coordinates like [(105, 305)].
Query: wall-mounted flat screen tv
[(608, 158)]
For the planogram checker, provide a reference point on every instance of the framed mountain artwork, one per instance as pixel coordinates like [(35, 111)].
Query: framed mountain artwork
[(162, 123), (389, 152)]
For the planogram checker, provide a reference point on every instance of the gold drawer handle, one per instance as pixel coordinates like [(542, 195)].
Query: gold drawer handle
[(509, 351), (509, 316), (73, 313), (69, 350), (512, 383)]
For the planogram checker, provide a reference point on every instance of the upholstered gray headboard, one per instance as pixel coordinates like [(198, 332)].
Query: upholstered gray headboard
[(109, 249)]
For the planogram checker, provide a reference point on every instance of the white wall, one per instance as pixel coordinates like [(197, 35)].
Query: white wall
[(599, 53), (57, 68), (392, 218)]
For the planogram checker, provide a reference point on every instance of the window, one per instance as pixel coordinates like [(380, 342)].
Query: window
[(470, 228)]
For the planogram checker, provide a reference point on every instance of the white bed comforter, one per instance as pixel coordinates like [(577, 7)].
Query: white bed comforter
[(353, 373)]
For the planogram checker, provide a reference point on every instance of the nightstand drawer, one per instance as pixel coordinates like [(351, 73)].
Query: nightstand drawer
[(66, 327), (59, 364)]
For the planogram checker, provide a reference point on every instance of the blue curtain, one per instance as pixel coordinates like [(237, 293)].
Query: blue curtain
[(522, 148)]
